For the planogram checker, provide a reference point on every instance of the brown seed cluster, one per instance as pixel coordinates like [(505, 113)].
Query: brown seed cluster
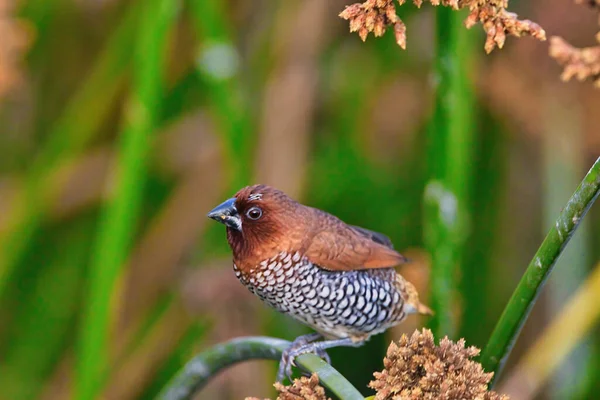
[(376, 15), (301, 389), (581, 63), (497, 22), (15, 39), (415, 368)]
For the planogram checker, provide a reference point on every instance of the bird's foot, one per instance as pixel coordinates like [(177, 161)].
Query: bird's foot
[(301, 345)]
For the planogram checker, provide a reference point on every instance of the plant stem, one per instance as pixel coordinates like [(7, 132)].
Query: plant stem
[(517, 310), (218, 65), (117, 225), (449, 155), (196, 373), (581, 314), (72, 131)]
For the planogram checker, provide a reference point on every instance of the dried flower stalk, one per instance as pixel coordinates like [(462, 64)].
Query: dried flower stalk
[(581, 63), (301, 389), (415, 368), (377, 15)]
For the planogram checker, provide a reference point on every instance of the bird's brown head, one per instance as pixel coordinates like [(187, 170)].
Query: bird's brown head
[(260, 221)]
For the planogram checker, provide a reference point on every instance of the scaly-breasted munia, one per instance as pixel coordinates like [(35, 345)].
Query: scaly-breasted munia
[(339, 279)]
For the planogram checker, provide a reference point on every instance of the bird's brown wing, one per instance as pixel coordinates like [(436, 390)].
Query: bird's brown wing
[(341, 247), (374, 236)]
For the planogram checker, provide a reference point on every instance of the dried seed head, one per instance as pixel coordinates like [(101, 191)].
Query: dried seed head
[(490, 43), (351, 11), (400, 33), (379, 28), (581, 63), (363, 32), (356, 24), (390, 13), (370, 20), (452, 4), (303, 388), (472, 19), (415, 368), (500, 36), (496, 21), (375, 16)]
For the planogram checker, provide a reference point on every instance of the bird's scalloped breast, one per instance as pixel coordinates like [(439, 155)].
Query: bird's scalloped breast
[(336, 303)]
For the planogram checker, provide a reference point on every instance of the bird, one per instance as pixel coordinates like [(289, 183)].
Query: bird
[(337, 278)]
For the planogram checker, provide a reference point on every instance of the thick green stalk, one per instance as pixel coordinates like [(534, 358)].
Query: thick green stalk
[(68, 136), (179, 356), (196, 373), (478, 287), (450, 159), (218, 65), (60, 279), (517, 310), (118, 223), (561, 171)]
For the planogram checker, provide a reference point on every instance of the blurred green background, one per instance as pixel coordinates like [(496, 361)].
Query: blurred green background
[(123, 122)]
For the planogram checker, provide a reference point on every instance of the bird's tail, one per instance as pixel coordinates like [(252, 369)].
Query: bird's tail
[(411, 297)]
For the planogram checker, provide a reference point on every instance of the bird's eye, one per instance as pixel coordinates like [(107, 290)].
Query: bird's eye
[(254, 213)]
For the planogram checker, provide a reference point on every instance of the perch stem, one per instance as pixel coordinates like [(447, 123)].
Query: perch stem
[(203, 367)]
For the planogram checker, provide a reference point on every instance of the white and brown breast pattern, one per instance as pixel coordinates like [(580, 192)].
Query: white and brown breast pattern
[(338, 304)]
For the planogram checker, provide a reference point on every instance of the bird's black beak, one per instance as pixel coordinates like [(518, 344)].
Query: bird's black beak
[(227, 214)]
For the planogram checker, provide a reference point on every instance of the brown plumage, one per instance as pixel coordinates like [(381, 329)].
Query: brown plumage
[(287, 225), (337, 278)]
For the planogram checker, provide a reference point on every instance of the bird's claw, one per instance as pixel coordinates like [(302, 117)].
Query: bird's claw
[(289, 356)]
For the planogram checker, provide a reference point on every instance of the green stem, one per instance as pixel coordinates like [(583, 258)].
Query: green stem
[(517, 310), (117, 225), (196, 373), (450, 161), (218, 65), (72, 131)]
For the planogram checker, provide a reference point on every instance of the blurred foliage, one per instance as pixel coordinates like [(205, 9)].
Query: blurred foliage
[(277, 92)]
